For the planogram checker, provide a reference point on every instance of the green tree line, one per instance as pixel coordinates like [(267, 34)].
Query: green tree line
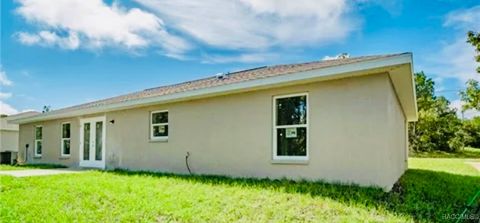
[(438, 127)]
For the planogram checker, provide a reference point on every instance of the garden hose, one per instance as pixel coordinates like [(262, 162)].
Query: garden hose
[(186, 162), (474, 198)]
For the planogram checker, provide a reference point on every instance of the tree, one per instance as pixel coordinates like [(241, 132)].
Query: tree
[(438, 127), (46, 108), (471, 95), (425, 89), (471, 98), (472, 129), (474, 39)]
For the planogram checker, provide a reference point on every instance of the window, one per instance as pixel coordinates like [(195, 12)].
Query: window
[(159, 125), (290, 129), (38, 141), (65, 139)]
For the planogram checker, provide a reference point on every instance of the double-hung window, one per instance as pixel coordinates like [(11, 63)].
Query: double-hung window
[(38, 141), (159, 125), (290, 129), (65, 139)]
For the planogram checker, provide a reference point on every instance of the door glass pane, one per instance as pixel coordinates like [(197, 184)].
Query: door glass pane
[(98, 140), (292, 111), (86, 141), (292, 141)]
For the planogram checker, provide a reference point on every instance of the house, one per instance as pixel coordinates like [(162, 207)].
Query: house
[(342, 120), (8, 141), (9, 137)]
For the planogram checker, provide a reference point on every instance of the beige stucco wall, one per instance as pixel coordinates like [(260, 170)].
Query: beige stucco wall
[(51, 152), (8, 136), (356, 134), (397, 149), (8, 140)]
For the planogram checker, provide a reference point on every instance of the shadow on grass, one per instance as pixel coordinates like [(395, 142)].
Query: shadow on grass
[(424, 195)]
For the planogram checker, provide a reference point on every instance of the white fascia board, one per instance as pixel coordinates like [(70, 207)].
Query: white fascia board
[(328, 72), (415, 116)]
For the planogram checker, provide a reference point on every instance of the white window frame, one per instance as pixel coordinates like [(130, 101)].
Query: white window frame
[(276, 157), (35, 152), (158, 138), (64, 139)]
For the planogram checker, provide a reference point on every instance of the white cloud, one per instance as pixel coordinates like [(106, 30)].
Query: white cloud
[(28, 110), (250, 29), (4, 79), (468, 114), (47, 38), (7, 109), (242, 58), (4, 95), (4, 107), (28, 39), (72, 24), (464, 19), (455, 59), (250, 24)]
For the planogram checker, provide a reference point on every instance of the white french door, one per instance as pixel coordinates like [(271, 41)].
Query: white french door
[(92, 142)]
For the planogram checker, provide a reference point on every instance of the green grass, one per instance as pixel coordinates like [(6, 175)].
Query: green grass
[(426, 193), (467, 152), (30, 166)]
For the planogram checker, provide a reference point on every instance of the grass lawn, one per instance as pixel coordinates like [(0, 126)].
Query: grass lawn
[(425, 193)]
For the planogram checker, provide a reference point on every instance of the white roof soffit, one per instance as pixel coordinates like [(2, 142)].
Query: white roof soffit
[(399, 67)]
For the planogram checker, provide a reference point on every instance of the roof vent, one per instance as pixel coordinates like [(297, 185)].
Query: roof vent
[(343, 56), (221, 76), (337, 57)]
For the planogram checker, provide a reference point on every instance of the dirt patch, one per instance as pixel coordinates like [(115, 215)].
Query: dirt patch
[(38, 172), (476, 165)]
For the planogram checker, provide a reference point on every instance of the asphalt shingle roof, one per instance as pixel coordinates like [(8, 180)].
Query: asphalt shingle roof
[(229, 78)]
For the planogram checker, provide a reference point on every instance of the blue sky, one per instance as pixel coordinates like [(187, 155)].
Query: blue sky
[(65, 52)]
